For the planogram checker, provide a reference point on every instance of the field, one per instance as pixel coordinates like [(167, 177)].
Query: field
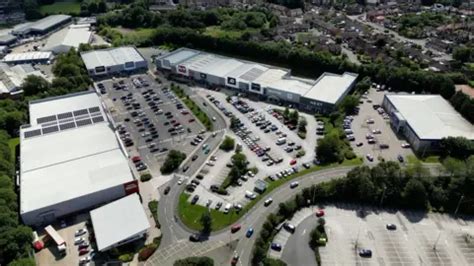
[(66, 7), (216, 31)]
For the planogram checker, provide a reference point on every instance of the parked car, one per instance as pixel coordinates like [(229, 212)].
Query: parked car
[(289, 227), (370, 157), (235, 259), (391, 227), (167, 190), (194, 238), (276, 246), (195, 199), (83, 251), (78, 240), (366, 253), (319, 213), (80, 232), (400, 158)]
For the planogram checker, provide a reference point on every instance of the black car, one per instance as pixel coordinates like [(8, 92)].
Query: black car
[(194, 238), (190, 188), (214, 188), (167, 190), (195, 199), (185, 168), (195, 156), (366, 253)]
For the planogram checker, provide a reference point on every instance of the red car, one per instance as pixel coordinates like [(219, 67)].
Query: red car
[(293, 162), (191, 120), (184, 112), (235, 228), (83, 251), (319, 213), (136, 159)]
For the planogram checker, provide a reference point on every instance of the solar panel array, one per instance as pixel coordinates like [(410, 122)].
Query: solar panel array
[(64, 121)]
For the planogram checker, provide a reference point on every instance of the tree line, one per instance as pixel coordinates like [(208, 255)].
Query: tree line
[(385, 184), (15, 239)]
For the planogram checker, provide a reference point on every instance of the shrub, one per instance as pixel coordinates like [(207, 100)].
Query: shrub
[(127, 257), (145, 177), (349, 155), (227, 144), (147, 251), (302, 134)]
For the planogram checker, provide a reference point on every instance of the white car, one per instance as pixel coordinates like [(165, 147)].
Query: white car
[(84, 260), (180, 181), (80, 232), (78, 240), (294, 184), (213, 118), (376, 131), (370, 157), (370, 121), (405, 145)]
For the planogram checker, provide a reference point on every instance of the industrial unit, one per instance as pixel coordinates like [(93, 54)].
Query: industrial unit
[(12, 77), (28, 58), (114, 61), (272, 83), (119, 222), (42, 26), (62, 41), (425, 119), (7, 39), (71, 159)]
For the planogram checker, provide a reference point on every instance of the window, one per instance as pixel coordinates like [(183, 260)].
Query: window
[(129, 65), (99, 69), (255, 87)]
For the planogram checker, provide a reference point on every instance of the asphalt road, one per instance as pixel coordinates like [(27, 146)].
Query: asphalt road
[(297, 250)]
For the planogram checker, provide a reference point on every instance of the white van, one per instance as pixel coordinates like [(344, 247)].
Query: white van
[(281, 141), (250, 195), (227, 208)]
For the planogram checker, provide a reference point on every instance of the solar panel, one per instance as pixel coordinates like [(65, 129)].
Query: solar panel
[(84, 122), (80, 112), (49, 124), (94, 110), (67, 126), (64, 115), (48, 130), (32, 133), (45, 119), (97, 119)]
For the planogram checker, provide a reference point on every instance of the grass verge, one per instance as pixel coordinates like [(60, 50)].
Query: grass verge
[(190, 214), (153, 206), (66, 7), (193, 107), (12, 143)]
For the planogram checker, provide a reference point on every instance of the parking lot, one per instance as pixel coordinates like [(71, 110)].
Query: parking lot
[(419, 239), (258, 137), (373, 134), (150, 119), (50, 255)]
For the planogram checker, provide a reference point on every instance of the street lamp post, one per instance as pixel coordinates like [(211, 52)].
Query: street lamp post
[(459, 204)]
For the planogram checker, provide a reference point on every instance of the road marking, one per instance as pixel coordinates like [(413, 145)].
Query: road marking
[(304, 232)]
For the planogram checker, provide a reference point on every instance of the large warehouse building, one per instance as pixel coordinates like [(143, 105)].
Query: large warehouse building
[(12, 77), (113, 61), (42, 26), (275, 84), (425, 119), (28, 58), (62, 41), (71, 159)]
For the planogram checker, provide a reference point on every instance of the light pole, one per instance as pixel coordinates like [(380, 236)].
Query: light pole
[(436, 242), (459, 204)]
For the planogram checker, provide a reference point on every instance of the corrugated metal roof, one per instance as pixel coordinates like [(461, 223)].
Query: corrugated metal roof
[(27, 56), (111, 57), (329, 88)]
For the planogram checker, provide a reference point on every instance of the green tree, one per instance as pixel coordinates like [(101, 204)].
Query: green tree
[(457, 147), (239, 167), (227, 144), (33, 85), (329, 148), (349, 104), (463, 54), (206, 222), (414, 194), (15, 243), (23, 262), (172, 162)]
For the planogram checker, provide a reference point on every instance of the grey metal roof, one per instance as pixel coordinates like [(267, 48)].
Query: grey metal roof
[(111, 57), (119, 221), (7, 38), (431, 116)]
